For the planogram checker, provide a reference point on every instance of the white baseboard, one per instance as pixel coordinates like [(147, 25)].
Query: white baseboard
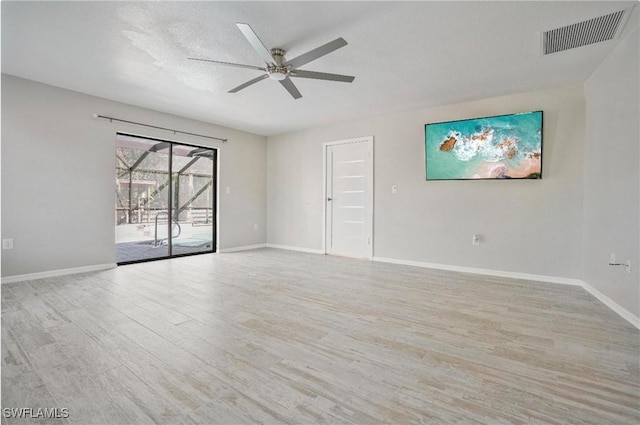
[(485, 272), (242, 248), (60, 272), (295, 248), (621, 311)]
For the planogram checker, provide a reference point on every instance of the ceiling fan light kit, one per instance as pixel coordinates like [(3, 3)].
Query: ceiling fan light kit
[(277, 73), (279, 69)]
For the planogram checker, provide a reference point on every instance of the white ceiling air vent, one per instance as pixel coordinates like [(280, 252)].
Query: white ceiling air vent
[(583, 33)]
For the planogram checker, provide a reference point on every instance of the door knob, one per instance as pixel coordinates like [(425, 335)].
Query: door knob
[(329, 199)]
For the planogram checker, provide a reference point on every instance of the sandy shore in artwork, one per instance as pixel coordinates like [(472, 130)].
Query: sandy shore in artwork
[(497, 170)]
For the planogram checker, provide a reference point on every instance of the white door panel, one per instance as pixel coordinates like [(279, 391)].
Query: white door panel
[(349, 198)]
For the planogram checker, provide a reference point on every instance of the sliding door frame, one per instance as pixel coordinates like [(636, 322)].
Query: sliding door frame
[(215, 198)]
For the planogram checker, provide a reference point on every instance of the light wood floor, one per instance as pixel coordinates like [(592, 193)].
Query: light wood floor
[(271, 337)]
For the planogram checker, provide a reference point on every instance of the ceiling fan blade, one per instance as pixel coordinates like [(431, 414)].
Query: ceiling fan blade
[(256, 43), (237, 65), (291, 88), (321, 76), (317, 53), (248, 83)]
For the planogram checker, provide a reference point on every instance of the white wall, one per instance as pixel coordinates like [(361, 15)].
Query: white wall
[(612, 182), (58, 180), (529, 226)]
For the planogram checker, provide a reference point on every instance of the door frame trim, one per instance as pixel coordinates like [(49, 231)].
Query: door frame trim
[(325, 148)]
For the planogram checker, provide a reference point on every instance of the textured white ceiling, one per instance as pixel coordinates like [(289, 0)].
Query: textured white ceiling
[(405, 55)]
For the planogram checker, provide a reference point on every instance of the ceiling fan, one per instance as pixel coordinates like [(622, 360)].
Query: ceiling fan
[(282, 70)]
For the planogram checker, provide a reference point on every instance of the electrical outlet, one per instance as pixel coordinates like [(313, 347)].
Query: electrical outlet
[(612, 258), (255, 226), (7, 243), (476, 240), (394, 188), (627, 266)]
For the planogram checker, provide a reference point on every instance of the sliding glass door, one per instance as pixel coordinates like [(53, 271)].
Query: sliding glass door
[(192, 197), (165, 199)]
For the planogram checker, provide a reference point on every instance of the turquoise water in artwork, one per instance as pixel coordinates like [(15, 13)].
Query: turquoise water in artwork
[(507, 146)]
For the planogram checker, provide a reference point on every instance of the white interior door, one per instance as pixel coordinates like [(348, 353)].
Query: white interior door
[(349, 198)]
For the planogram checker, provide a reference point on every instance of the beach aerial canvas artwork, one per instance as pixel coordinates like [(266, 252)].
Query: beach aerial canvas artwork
[(499, 147)]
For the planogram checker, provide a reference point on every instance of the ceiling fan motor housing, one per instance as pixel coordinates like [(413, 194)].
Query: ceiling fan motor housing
[(278, 72)]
